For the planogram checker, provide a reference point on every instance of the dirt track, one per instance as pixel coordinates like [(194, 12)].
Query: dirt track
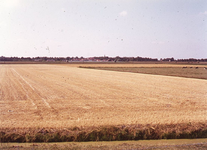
[(63, 96)]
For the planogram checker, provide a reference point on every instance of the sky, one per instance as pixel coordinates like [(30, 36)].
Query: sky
[(131, 28)]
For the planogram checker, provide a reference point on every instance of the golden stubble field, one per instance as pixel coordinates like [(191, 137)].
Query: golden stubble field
[(64, 96)]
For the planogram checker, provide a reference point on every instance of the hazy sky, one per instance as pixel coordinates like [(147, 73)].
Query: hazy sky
[(146, 28)]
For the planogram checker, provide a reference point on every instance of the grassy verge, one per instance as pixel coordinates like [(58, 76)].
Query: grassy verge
[(106, 133), (200, 144), (189, 72)]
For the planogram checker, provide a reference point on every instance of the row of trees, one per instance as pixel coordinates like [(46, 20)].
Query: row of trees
[(101, 58)]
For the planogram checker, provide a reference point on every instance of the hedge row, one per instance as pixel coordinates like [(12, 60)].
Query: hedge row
[(102, 134)]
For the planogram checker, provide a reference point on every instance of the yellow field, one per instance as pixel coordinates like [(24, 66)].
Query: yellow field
[(67, 96)]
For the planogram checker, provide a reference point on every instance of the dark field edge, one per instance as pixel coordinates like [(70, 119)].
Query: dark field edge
[(189, 75), (105, 133)]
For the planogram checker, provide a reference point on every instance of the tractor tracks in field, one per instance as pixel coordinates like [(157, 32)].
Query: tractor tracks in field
[(23, 87), (28, 96), (36, 102)]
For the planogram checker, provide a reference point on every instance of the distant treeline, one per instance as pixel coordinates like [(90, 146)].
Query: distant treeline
[(96, 59)]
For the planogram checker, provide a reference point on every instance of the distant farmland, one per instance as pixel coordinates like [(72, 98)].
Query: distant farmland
[(178, 71), (38, 96)]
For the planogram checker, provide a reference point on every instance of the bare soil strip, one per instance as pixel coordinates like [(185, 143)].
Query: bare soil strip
[(196, 144)]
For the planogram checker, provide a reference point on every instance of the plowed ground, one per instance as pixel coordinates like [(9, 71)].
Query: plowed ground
[(63, 96)]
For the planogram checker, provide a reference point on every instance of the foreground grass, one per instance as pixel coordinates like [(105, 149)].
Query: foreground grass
[(183, 144), (189, 72)]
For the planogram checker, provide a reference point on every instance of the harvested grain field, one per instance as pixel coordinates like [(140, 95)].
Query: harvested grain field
[(63, 96)]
